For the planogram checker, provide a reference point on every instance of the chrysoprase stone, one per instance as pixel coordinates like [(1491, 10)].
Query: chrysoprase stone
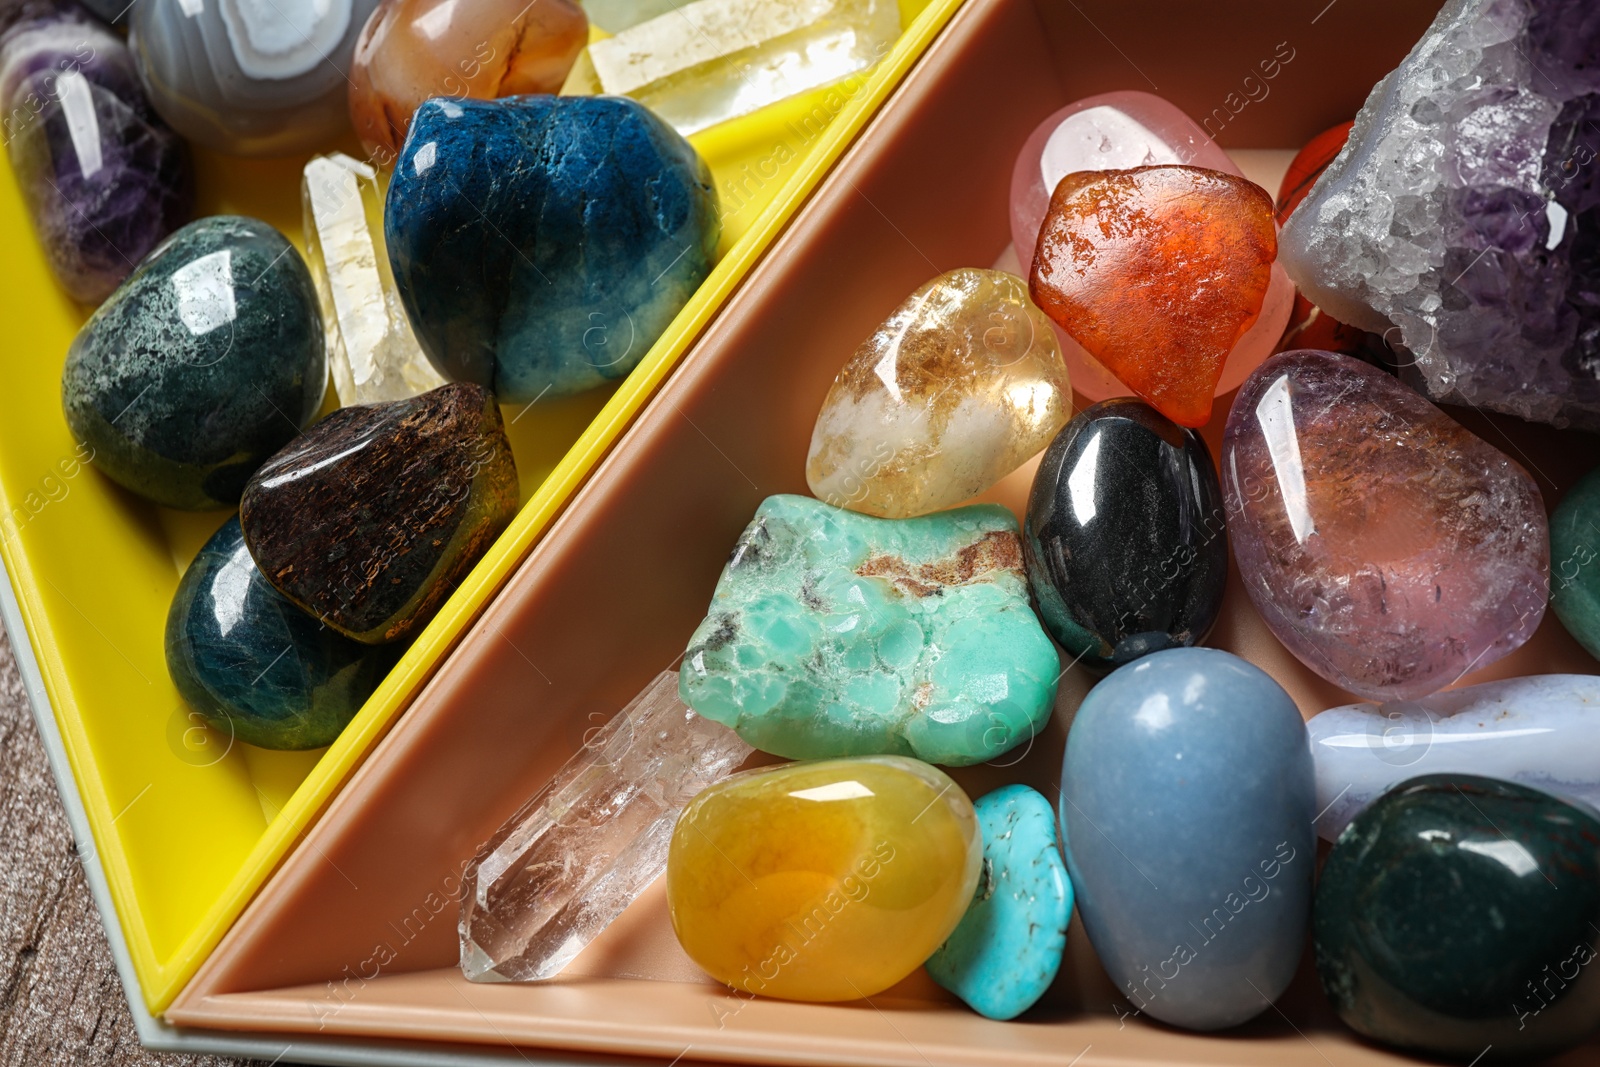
[(822, 881), (1186, 808), (411, 50), (256, 667), (1158, 272), (371, 348), (713, 60), (1007, 948), (207, 360), (541, 243), (372, 517), (1386, 546), (1124, 542), (955, 390), (249, 78), (1575, 562), (1542, 731), (1460, 917), (103, 177), (835, 634)]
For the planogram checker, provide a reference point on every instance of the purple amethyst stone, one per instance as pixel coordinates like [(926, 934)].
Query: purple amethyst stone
[(105, 180)]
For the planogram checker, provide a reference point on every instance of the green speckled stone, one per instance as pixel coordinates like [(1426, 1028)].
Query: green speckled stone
[(837, 634), (204, 362), (1575, 562), (1459, 916)]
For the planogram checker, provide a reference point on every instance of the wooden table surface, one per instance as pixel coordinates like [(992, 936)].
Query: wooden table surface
[(60, 999)]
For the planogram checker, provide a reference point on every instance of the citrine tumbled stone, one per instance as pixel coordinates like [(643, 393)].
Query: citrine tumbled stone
[(822, 881), (1157, 272)]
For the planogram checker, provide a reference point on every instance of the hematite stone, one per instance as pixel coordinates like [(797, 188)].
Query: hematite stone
[(372, 518), (541, 243), (103, 177), (207, 360), (1124, 539), (1460, 916), (256, 667)]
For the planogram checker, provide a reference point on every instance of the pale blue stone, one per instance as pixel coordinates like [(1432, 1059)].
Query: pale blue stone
[(1007, 948), (1187, 804)]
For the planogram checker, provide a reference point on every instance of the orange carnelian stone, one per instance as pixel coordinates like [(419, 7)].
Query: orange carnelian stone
[(1157, 272)]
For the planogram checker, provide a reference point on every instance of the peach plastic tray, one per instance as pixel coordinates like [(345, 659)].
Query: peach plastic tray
[(355, 936)]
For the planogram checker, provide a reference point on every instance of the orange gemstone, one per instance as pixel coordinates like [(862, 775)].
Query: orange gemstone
[(1308, 165), (1157, 272)]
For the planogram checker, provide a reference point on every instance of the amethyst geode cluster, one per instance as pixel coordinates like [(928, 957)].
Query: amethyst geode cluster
[(1462, 220)]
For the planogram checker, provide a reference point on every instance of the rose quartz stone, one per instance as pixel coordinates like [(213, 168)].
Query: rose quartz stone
[(1117, 131), (1387, 547)]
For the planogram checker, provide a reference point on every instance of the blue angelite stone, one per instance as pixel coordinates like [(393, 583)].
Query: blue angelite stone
[(541, 244), (1187, 800), (1007, 948), (256, 667)]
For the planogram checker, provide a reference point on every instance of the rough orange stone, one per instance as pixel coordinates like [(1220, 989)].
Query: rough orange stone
[(1157, 272)]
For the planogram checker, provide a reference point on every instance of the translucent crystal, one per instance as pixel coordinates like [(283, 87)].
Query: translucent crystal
[(575, 856), (371, 348), (714, 60)]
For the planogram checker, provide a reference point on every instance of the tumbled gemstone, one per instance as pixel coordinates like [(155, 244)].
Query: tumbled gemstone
[(1007, 948), (1186, 810), (835, 634), (411, 50), (255, 667), (372, 517), (541, 244), (207, 360), (860, 869), (1386, 546), (955, 390), (1575, 562), (1158, 272), (1459, 917), (1125, 539)]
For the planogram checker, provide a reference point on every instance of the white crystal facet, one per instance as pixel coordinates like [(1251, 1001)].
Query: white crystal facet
[(575, 856), (373, 353)]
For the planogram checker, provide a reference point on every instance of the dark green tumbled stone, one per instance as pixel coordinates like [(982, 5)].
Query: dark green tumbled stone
[(204, 362), (1575, 562), (256, 667), (1460, 916), (371, 519)]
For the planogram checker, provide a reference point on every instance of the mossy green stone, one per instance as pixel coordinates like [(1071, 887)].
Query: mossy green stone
[(1460, 916), (1575, 562), (838, 634), (204, 362)]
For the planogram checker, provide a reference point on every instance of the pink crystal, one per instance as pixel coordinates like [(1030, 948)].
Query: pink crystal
[(1386, 546), (1118, 131)]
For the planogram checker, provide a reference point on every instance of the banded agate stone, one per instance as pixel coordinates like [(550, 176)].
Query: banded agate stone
[(955, 390), (1387, 547)]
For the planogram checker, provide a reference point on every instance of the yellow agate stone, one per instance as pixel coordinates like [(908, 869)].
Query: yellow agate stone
[(959, 387), (822, 881)]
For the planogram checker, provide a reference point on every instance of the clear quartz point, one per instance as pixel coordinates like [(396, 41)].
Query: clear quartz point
[(373, 353), (576, 855)]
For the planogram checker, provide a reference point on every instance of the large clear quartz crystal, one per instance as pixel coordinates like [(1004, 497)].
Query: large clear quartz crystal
[(575, 856), (373, 353), (714, 60), (1462, 220)]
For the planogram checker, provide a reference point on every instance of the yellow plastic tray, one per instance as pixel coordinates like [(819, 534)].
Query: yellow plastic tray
[(186, 825)]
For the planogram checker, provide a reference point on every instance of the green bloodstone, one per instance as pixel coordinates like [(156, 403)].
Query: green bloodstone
[(835, 634), (1575, 562), (1460, 916)]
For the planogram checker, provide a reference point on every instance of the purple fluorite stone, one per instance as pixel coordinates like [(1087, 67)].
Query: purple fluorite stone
[(104, 178), (1462, 219)]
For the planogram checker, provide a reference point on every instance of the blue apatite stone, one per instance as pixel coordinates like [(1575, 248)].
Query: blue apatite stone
[(1007, 948), (1187, 802), (541, 244), (256, 667)]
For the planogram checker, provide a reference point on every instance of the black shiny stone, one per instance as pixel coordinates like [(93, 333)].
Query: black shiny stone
[(1460, 917), (371, 518), (1124, 541)]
